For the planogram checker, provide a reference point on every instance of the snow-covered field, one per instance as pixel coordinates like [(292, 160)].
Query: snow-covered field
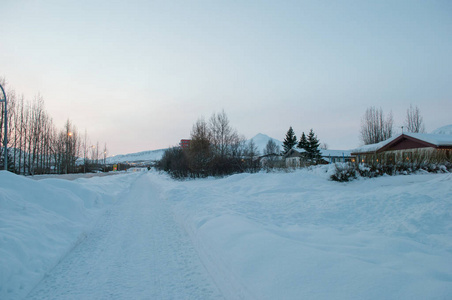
[(248, 236)]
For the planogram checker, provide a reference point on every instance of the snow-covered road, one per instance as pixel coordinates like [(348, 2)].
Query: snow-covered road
[(135, 251)]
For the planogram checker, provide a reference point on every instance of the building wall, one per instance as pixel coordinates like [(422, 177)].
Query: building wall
[(293, 162), (184, 144), (417, 156)]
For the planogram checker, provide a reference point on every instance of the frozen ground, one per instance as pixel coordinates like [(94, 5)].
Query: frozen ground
[(249, 236)]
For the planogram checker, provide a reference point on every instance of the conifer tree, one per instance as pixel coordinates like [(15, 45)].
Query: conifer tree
[(290, 141), (303, 144), (313, 146)]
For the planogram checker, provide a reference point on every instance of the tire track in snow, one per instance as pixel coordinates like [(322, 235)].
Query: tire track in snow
[(136, 251)]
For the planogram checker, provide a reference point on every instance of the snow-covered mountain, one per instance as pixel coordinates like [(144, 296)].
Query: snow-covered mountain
[(443, 130), (145, 156), (261, 140)]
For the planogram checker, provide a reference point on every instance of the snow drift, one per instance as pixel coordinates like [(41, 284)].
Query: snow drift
[(260, 236), (298, 235), (41, 221)]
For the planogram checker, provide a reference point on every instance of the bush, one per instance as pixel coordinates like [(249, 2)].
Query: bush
[(344, 172), (348, 172), (175, 162)]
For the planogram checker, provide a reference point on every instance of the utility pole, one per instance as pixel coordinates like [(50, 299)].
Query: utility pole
[(5, 141)]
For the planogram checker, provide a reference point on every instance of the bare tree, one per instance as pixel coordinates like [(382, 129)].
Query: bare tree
[(105, 152), (271, 148), (35, 145), (374, 127), (414, 121), (85, 149), (250, 154), (200, 151), (222, 134)]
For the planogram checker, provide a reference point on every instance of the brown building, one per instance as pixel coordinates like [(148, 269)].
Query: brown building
[(408, 147)]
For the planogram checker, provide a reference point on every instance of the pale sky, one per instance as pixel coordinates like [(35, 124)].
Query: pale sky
[(138, 74)]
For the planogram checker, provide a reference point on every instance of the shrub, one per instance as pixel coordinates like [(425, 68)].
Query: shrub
[(348, 172), (344, 172)]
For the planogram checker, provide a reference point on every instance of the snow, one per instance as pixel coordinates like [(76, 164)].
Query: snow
[(334, 153), (247, 236), (261, 140), (41, 221), (144, 156), (373, 147), (443, 130), (435, 139), (297, 234)]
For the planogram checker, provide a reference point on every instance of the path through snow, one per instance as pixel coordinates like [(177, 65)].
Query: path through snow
[(135, 251)]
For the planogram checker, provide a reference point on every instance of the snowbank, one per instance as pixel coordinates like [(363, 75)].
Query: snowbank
[(298, 235), (41, 221), (260, 236)]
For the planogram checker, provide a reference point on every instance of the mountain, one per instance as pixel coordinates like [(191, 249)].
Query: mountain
[(143, 156), (261, 140), (443, 130)]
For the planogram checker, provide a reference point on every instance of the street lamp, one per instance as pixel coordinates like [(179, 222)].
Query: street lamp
[(5, 141), (68, 143)]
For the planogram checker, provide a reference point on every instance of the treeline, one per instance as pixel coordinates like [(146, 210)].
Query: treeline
[(36, 145), (215, 149)]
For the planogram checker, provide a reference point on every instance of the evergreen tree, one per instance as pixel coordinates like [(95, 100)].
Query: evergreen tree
[(303, 144), (313, 147), (290, 141)]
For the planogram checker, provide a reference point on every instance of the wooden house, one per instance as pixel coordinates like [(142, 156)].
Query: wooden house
[(408, 147)]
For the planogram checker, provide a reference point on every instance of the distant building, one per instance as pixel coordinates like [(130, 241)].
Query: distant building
[(184, 144), (334, 156), (294, 158), (297, 158)]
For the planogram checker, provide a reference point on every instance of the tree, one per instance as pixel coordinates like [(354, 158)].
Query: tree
[(374, 127), (290, 141), (36, 146), (414, 121), (251, 149), (225, 143), (313, 146), (174, 161), (200, 151), (303, 144), (250, 153), (271, 148), (105, 154)]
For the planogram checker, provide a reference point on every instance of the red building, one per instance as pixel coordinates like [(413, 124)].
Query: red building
[(184, 144)]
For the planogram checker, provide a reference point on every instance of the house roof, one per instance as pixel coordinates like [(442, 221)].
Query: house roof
[(408, 141), (335, 153), (323, 153), (439, 140), (294, 153)]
